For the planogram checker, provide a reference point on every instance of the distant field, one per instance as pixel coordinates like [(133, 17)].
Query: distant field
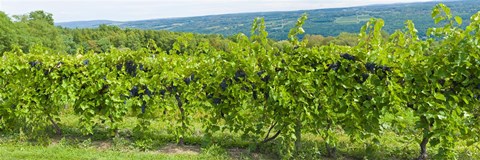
[(352, 19), (326, 22)]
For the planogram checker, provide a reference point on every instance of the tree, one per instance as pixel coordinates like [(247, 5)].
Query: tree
[(41, 16), (8, 35)]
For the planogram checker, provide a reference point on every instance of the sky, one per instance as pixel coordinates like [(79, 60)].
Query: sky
[(128, 10)]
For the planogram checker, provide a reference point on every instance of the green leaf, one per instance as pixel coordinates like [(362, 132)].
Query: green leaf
[(459, 20), (301, 30), (446, 10), (438, 20), (465, 100), (470, 142), (435, 12), (440, 96)]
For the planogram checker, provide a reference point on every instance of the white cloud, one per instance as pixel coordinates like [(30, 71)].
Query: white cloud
[(124, 10)]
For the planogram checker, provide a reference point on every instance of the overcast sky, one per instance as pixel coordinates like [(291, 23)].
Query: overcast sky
[(126, 10)]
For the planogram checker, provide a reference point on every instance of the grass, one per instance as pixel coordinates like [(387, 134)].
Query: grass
[(117, 148), (159, 143), (25, 151)]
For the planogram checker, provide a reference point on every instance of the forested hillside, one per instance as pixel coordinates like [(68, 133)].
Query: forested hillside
[(36, 28), (325, 22)]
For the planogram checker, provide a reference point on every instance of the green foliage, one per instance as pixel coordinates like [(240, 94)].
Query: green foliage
[(262, 92)]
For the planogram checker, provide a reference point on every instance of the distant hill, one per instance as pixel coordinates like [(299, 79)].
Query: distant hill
[(86, 24), (327, 22)]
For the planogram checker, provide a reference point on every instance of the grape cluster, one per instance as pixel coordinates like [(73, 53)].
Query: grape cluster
[(86, 62), (240, 74), (179, 101), (162, 92), (172, 88), (348, 57), (441, 81), (35, 64), (224, 85), (371, 67), (265, 78), (144, 106), (119, 66), (334, 66), (131, 68), (362, 78), (189, 79), (209, 95), (134, 91), (147, 91), (254, 91), (385, 68), (217, 101), (104, 89), (254, 95), (314, 64), (265, 93), (46, 72)]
